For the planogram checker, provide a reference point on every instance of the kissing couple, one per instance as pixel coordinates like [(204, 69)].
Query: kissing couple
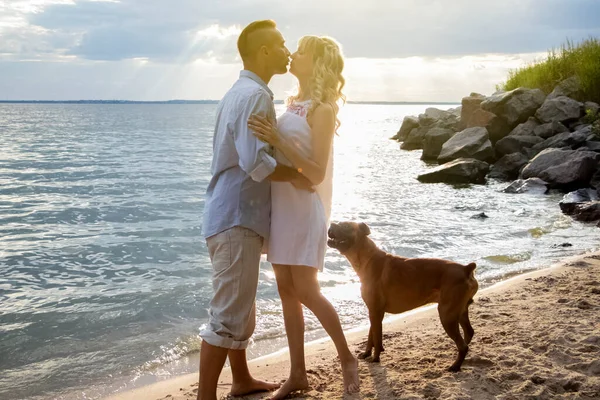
[(270, 191)]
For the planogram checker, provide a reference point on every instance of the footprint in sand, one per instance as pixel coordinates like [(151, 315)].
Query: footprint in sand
[(477, 361)]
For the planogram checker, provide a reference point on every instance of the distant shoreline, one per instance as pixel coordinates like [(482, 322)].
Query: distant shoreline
[(202, 102)]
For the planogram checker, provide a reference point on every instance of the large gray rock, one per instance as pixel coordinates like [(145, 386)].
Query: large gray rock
[(582, 205), (414, 140), (526, 128), (559, 109), (457, 111), (408, 124), (587, 212), (590, 145), (571, 200), (591, 106), (463, 170), (433, 116), (508, 167), (480, 117), (570, 87), (550, 129), (470, 104), (433, 142), (595, 181), (565, 139), (566, 169), (531, 185), (470, 143), (515, 106), (515, 143), (498, 128)]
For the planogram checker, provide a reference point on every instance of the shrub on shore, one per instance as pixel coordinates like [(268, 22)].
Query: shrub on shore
[(581, 60)]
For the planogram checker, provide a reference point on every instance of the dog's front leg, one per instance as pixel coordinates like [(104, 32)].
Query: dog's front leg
[(376, 319), (368, 350)]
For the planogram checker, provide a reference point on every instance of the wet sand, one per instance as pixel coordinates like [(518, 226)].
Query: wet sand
[(537, 336)]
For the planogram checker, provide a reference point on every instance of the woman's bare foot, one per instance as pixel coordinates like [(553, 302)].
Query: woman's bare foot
[(350, 373), (291, 385), (252, 386)]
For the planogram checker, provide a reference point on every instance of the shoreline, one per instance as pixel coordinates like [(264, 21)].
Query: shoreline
[(274, 366)]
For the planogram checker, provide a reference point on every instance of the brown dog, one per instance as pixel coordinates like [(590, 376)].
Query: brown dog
[(395, 284)]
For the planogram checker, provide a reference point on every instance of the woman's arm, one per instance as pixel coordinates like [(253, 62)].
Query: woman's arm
[(322, 130)]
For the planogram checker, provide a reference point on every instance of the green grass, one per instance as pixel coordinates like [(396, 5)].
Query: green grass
[(581, 60)]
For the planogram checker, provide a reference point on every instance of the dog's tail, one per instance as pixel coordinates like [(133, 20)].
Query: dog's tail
[(470, 268)]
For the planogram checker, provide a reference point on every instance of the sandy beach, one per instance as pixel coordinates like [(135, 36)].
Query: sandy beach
[(537, 336)]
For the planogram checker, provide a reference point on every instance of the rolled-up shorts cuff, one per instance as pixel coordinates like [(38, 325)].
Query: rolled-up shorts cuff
[(214, 339)]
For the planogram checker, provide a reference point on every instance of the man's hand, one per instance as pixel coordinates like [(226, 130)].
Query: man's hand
[(300, 182)]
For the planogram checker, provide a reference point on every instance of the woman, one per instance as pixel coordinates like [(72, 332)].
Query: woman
[(303, 138)]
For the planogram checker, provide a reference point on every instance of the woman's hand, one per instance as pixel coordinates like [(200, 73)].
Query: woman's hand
[(265, 130)]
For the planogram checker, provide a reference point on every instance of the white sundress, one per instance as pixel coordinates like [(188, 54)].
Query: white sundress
[(299, 219)]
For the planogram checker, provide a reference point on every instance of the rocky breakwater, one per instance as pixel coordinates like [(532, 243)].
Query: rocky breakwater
[(524, 136)]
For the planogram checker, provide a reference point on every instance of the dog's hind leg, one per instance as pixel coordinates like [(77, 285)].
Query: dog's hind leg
[(466, 326), (450, 322), (369, 348)]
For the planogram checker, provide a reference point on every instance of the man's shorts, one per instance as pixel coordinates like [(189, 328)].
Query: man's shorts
[(235, 256)]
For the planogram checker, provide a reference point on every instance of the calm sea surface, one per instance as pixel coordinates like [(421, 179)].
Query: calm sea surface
[(104, 275)]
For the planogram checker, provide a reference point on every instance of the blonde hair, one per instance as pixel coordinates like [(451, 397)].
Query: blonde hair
[(326, 82)]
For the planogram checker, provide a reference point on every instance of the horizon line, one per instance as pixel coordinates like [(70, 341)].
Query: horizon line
[(83, 101)]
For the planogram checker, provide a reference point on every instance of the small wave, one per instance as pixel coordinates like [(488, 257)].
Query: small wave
[(509, 258), (173, 352)]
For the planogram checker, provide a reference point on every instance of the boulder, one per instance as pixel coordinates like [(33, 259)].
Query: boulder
[(595, 181), (515, 143), (531, 185), (590, 145), (565, 169), (498, 128), (434, 115), (526, 128), (559, 109), (408, 124), (571, 140), (570, 87), (571, 200), (470, 104), (515, 106), (594, 108), (508, 167), (457, 111), (479, 118), (415, 138), (470, 143), (433, 141), (550, 129), (462, 170), (582, 204), (587, 212)]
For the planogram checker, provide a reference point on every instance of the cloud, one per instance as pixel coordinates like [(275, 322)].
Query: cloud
[(167, 31)]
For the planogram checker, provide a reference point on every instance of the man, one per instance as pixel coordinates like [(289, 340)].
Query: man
[(237, 210)]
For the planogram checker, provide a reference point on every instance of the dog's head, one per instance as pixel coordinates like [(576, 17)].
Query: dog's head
[(344, 235)]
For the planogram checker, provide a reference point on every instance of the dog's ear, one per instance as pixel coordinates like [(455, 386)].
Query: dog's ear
[(364, 229)]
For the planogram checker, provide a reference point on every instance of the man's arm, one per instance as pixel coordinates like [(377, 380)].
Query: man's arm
[(254, 155), (284, 173)]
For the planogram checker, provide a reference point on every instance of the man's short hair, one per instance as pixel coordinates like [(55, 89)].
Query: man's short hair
[(247, 46)]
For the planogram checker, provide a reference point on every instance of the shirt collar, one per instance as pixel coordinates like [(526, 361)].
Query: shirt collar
[(251, 75)]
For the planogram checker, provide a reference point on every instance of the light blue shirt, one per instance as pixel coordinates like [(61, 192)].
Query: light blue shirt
[(239, 193)]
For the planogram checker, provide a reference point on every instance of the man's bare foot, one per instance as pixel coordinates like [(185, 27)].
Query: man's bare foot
[(252, 386), (350, 373), (291, 385)]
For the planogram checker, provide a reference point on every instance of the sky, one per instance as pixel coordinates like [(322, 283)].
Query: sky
[(396, 50)]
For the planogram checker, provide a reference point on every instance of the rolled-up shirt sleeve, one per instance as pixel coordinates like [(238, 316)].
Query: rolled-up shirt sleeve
[(253, 154)]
